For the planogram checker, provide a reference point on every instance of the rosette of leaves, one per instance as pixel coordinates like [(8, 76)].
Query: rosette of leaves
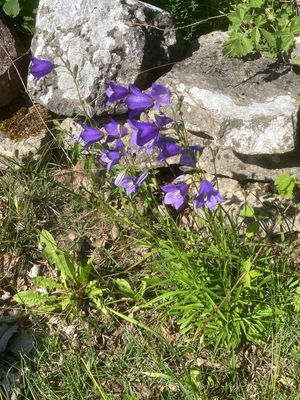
[(266, 26), (22, 13), (69, 291)]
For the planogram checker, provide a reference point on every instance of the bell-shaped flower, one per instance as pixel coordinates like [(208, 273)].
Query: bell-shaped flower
[(168, 148), (160, 93), (175, 194), (137, 101), (40, 68), (90, 135), (115, 92), (129, 183), (114, 130), (189, 155), (142, 132), (208, 196), (112, 157), (162, 120)]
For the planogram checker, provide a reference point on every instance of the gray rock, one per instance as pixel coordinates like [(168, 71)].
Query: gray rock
[(21, 150), (11, 48), (101, 39), (243, 110)]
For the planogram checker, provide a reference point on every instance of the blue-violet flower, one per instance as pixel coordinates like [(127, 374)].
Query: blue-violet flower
[(90, 135), (175, 194), (40, 68), (208, 196)]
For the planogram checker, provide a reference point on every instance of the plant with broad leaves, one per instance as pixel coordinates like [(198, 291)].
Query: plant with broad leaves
[(266, 26), (286, 185), (22, 12), (72, 287)]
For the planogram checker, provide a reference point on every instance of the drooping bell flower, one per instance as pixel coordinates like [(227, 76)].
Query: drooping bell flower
[(40, 68), (168, 148), (114, 130), (175, 194), (112, 157), (208, 196), (129, 183), (162, 120), (90, 135), (142, 132), (137, 101), (189, 155), (115, 92), (160, 93)]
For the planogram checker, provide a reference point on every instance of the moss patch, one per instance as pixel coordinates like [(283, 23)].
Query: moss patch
[(19, 120)]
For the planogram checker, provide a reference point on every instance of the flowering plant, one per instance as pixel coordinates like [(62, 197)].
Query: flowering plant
[(142, 132)]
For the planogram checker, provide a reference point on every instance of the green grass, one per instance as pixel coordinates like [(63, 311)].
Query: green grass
[(192, 322)]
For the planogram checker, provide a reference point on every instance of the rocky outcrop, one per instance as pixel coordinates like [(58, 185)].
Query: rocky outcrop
[(245, 112), (98, 40), (11, 51)]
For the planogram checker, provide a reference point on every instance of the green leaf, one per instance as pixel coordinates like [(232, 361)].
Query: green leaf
[(11, 8), (46, 283), (30, 297), (252, 229), (255, 36), (238, 45), (295, 25), (65, 302), (247, 212), (125, 287), (286, 41), (269, 37), (49, 247), (256, 3), (285, 185)]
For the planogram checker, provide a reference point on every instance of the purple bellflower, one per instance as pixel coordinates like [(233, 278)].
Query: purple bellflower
[(40, 68), (189, 155), (90, 135), (128, 183), (168, 147), (112, 157), (114, 130), (143, 132), (175, 194), (115, 92), (137, 101), (208, 196), (162, 120), (160, 93)]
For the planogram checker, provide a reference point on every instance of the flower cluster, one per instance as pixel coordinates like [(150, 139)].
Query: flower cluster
[(144, 134)]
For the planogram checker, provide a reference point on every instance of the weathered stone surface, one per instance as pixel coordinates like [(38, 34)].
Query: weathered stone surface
[(11, 49), (21, 150), (243, 110), (101, 39)]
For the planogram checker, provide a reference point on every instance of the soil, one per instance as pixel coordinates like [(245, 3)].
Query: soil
[(22, 119)]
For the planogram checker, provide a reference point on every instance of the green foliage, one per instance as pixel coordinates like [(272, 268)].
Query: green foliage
[(267, 26), (22, 13), (222, 289), (69, 290), (186, 12), (285, 185)]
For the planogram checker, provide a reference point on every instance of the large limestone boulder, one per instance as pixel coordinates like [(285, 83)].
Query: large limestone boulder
[(100, 40), (11, 50), (245, 112)]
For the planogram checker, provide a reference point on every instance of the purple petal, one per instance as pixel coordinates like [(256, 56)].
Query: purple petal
[(175, 194), (137, 100), (161, 94), (162, 120), (40, 68), (143, 132), (115, 92), (90, 135), (208, 196), (141, 178), (169, 148)]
